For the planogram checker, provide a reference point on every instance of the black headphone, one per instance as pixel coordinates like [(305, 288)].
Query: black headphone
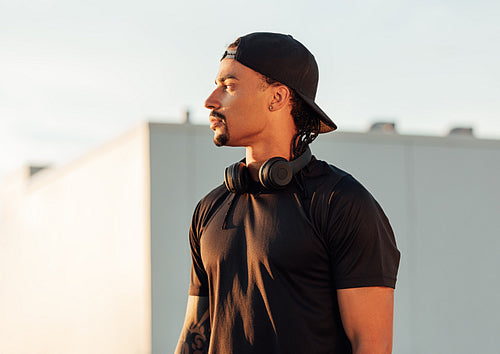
[(275, 173)]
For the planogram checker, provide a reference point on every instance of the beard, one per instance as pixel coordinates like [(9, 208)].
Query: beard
[(221, 138)]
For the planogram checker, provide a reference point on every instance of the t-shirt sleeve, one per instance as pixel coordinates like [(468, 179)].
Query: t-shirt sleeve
[(199, 281), (361, 242)]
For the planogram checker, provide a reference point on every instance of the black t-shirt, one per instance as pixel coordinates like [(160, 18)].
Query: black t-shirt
[(271, 261)]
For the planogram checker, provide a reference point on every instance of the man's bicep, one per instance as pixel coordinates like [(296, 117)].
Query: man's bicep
[(367, 317), (195, 335)]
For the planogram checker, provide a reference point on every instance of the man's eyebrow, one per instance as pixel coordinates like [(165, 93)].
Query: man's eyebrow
[(224, 78)]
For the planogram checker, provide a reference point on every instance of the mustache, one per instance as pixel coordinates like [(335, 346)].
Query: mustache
[(218, 115)]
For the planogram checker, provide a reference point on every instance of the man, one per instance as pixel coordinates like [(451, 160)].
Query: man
[(290, 255)]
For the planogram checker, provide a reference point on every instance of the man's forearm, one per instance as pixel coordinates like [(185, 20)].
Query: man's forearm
[(195, 338), (195, 334)]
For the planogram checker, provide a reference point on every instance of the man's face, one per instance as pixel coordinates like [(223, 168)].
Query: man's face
[(239, 105)]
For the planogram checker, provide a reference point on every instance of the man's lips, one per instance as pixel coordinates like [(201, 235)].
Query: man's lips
[(216, 123), (217, 120)]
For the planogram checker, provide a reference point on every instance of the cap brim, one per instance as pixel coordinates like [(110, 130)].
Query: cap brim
[(327, 125)]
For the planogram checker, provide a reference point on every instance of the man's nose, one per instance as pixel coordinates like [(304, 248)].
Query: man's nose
[(212, 102)]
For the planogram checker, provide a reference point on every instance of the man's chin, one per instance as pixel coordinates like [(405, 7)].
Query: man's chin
[(221, 139)]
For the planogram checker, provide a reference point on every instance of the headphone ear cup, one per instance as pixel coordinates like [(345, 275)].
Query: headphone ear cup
[(236, 178), (275, 173)]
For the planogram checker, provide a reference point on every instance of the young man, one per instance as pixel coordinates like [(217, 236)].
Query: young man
[(291, 254)]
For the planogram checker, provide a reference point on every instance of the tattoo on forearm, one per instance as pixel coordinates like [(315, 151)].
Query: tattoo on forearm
[(198, 337)]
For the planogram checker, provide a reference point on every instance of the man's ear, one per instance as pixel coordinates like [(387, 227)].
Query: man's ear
[(281, 97)]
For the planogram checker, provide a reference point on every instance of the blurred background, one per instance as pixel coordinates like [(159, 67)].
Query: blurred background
[(93, 252)]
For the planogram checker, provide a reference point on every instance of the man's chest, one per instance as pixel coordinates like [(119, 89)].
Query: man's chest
[(264, 230)]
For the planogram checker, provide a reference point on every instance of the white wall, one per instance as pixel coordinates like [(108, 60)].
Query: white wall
[(443, 200), (440, 194), (456, 248), (74, 255), (94, 256)]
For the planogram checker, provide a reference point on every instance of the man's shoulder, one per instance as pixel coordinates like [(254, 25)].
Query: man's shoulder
[(212, 200), (218, 193), (324, 177), (320, 173)]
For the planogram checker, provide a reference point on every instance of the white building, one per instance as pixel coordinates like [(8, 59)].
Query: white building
[(94, 256)]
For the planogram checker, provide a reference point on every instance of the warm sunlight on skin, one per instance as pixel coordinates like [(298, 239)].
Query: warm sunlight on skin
[(240, 99), (241, 103), (367, 316)]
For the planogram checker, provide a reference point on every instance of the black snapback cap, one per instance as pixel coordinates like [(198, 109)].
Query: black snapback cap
[(286, 60)]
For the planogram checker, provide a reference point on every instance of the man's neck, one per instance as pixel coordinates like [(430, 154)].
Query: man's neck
[(255, 158)]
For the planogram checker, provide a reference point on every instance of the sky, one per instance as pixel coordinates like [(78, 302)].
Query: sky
[(75, 74)]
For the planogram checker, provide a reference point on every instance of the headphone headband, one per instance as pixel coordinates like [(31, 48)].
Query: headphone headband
[(275, 173), (300, 162)]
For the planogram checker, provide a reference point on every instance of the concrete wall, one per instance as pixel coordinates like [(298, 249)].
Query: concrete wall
[(443, 200), (439, 193), (74, 255), (94, 256)]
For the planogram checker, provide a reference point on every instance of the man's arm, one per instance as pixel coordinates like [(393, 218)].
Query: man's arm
[(367, 317), (195, 335)]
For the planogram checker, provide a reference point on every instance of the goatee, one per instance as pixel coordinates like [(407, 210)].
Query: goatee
[(221, 139)]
